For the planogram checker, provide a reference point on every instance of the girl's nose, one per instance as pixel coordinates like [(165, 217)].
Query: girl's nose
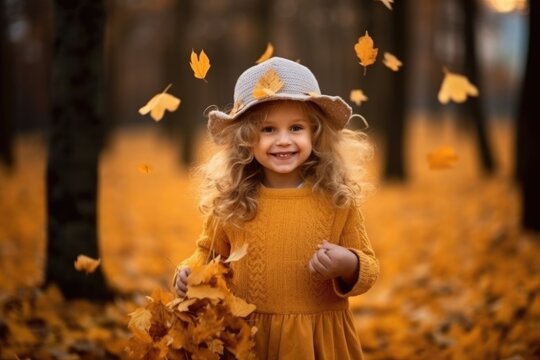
[(283, 139)]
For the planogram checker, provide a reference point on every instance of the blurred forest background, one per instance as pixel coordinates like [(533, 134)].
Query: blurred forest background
[(81, 172)]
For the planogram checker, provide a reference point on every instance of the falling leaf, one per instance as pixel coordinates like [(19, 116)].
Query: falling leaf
[(200, 65), (387, 3), (268, 84), (443, 158), (357, 96), (365, 51), (455, 87), (267, 53), (145, 168), (159, 103), (86, 263), (238, 253), (391, 61)]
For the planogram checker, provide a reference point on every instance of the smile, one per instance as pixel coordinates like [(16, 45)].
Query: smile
[(284, 155)]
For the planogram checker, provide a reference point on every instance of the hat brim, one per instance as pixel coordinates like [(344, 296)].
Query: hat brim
[(336, 110)]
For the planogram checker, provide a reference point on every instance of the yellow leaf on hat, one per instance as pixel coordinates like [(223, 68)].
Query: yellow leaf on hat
[(86, 263), (159, 103), (357, 96), (387, 3), (365, 51), (455, 87), (442, 158), (391, 61), (200, 64), (267, 53), (267, 85)]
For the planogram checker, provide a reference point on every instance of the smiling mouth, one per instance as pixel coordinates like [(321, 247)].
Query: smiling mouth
[(284, 155)]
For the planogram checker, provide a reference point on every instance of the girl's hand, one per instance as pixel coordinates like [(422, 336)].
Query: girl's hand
[(333, 261), (181, 281)]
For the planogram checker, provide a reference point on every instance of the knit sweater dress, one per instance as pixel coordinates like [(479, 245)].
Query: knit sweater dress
[(298, 315)]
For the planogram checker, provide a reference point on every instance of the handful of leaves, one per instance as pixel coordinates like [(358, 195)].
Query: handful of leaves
[(209, 323)]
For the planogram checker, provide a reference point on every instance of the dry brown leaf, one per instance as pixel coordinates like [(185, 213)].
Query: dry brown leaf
[(357, 96), (391, 62), (267, 53), (455, 87), (159, 103), (442, 158), (86, 264), (200, 65), (268, 84), (365, 51)]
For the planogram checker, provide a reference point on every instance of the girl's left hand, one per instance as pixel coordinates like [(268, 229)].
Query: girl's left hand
[(332, 261)]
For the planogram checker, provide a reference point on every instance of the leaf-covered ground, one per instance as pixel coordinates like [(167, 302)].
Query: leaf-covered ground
[(459, 279)]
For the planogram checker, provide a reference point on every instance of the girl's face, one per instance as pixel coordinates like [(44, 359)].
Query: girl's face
[(284, 144)]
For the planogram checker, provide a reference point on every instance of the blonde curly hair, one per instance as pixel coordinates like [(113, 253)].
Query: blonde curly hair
[(230, 179)]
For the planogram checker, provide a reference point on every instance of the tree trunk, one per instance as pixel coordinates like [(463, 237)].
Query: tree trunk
[(76, 133), (529, 121), (474, 104), (395, 127), (6, 133)]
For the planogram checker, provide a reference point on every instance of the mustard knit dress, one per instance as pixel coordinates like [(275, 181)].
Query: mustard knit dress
[(298, 315)]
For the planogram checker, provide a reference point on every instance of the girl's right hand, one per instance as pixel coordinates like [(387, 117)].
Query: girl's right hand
[(181, 281)]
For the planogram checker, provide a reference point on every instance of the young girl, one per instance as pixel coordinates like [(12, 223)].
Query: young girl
[(282, 185)]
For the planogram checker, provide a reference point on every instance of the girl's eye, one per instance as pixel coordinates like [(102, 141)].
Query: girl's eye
[(296, 128), (267, 129)]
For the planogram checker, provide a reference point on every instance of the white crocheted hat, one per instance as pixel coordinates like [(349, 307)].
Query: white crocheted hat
[(279, 79)]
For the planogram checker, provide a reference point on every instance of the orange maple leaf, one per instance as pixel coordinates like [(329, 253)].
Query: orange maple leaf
[(455, 87), (267, 85), (159, 103), (357, 96), (365, 51), (200, 65), (442, 158), (86, 263), (267, 53), (391, 62)]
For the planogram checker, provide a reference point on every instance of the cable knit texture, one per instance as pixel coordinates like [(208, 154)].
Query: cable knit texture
[(298, 316)]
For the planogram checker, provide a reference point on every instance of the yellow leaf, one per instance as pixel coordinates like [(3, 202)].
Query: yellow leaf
[(159, 103), (237, 253), (86, 263), (455, 87), (391, 61), (365, 51), (238, 306), (387, 3), (267, 53), (200, 65), (204, 292), (443, 158), (357, 96), (145, 168), (267, 85), (139, 324)]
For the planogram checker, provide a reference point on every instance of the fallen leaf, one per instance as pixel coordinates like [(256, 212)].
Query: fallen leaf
[(200, 65), (365, 51), (139, 324), (267, 53), (86, 263), (455, 87), (391, 61), (237, 253), (159, 103), (268, 84), (387, 3), (442, 158), (357, 96)]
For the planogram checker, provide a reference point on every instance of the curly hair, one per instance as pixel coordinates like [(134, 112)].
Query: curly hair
[(231, 178)]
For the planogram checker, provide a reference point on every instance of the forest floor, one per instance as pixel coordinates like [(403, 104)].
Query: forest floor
[(459, 278)]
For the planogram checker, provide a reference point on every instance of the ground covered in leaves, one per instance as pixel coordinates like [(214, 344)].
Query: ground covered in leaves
[(459, 279)]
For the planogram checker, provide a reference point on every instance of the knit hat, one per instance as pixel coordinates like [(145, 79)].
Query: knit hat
[(279, 79)]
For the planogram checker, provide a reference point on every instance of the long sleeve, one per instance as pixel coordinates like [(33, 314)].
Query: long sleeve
[(354, 238)]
